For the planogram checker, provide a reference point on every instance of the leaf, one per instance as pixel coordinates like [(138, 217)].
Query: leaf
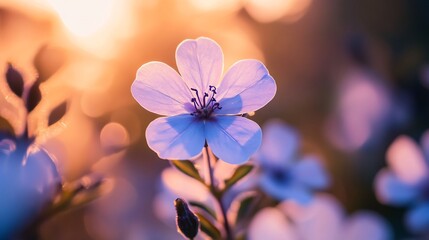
[(188, 168), (203, 207), (245, 207), (34, 96), (57, 113), (208, 228), (15, 80), (239, 173)]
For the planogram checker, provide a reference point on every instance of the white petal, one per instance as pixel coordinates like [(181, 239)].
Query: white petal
[(178, 137), (246, 87), (418, 218), (233, 139), (310, 172), (159, 89), (200, 62), (270, 223), (280, 144), (390, 189), (407, 160), (366, 225)]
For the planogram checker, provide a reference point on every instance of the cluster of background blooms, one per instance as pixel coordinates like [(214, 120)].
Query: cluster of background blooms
[(29, 170)]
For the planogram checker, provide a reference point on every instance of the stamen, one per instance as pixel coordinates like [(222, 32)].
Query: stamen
[(198, 96), (206, 105), (204, 99), (212, 89)]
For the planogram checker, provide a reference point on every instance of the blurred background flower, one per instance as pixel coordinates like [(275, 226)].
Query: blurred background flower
[(322, 219), (406, 181), (285, 174)]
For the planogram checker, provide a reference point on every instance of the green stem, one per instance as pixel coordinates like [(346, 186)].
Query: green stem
[(218, 196)]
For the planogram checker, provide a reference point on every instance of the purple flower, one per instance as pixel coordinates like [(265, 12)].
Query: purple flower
[(406, 180), (284, 173), (200, 106)]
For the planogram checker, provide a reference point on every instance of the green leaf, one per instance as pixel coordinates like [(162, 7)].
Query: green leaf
[(208, 228), (239, 173), (245, 208), (188, 168), (203, 207)]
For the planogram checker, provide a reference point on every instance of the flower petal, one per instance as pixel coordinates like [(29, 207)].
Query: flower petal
[(159, 89), (280, 144), (407, 160), (310, 172), (41, 172), (366, 225), (271, 223), (233, 139), (321, 219), (200, 62), (285, 190), (418, 218), (390, 189), (178, 137), (246, 87)]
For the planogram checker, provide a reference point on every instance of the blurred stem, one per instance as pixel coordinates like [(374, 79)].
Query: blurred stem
[(218, 196)]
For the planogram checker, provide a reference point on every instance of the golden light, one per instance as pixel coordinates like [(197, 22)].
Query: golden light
[(273, 10), (216, 5), (84, 18), (96, 25)]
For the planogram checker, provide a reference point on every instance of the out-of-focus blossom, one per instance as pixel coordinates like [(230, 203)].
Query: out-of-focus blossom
[(322, 219), (406, 180), (284, 174), (271, 223), (29, 181), (202, 107), (363, 111)]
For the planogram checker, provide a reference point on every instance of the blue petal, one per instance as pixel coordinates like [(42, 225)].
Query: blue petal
[(390, 189), (287, 190), (280, 144), (179, 137), (41, 172), (200, 62), (233, 139), (26, 188), (159, 89), (246, 87), (418, 218), (309, 171)]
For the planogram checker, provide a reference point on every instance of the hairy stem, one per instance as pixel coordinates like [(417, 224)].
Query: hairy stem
[(218, 196)]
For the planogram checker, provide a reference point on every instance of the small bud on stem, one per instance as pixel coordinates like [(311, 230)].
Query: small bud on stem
[(187, 222)]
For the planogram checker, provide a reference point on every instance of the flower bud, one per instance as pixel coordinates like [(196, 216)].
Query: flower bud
[(187, 222)]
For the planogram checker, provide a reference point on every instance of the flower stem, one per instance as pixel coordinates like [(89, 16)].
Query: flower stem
[(218, 196), (210, 169)]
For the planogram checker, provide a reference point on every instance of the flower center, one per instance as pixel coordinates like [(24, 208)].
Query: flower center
[(206, 104), (280, 175)]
